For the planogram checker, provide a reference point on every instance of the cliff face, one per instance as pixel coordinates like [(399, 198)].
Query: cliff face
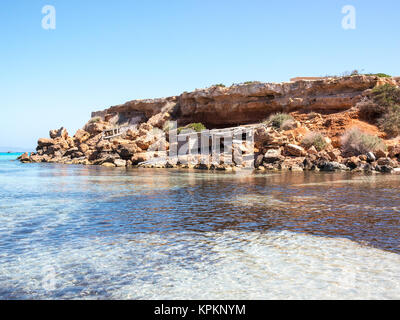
[(249, 103)]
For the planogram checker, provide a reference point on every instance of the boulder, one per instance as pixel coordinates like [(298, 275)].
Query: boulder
[(386, 162), (308, 164), (332, 166), (126, 151), (262, 137), (384, 169), (160, 144), (60, 133), (143, 143), (272, 155), (159, 120), (334, 154), (70, 142), (258, 160), (45, 142), (77, 154), (336, 142), (108, 164), (120, 163), (366, 167), (104, 157), (92, 142), (312, 151), (371, 157), (380, 154), (69, 152), (35, 158), (151, 138), (81, 136), (54, 148), (363, 157), (83, 148), (394, 152), (95, 128), (295, 150), (294, 164), (62, 143), (145, 126), (141, 157), (352, 163), (24, 158), (131, 134), (104, 146), (396, 170)]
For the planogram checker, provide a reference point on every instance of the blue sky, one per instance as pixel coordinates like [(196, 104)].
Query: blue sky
[(104, 53)]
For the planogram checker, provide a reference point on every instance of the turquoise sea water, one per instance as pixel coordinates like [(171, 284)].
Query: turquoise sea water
[(76, 232)]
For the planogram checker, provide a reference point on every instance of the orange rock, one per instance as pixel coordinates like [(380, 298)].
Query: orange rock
[(295, 150)]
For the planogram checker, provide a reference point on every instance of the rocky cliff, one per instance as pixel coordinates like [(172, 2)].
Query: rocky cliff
[(320, 109)]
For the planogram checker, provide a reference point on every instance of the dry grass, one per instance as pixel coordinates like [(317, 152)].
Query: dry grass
[(390, 122), (382, 106), (355, 142), (314, 139), (282, 121)]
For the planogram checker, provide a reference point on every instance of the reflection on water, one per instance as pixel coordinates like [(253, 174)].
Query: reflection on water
[(90, 232)]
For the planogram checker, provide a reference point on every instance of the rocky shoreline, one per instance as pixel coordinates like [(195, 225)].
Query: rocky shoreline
[(137, 134)]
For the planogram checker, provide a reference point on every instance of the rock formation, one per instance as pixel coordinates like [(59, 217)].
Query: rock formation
[(133, 133)]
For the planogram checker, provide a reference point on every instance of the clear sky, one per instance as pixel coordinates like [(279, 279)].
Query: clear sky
[(104, 53)]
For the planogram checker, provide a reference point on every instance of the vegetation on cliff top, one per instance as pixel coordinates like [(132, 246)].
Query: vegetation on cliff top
[(381, 75), (359, 73), (94, 120)]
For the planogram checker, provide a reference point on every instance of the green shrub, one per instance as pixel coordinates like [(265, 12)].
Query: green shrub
[(380, 75), (390, 122), (198, 127), (251, 82), (278, 120), (386, 95), (95, 119), (382, 106), (219, 85), (356, 142), (314, 139)]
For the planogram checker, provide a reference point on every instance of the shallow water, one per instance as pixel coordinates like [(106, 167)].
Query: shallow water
[(74, 232)]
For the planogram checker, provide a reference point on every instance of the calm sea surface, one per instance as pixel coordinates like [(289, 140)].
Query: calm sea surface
[(75, 232)]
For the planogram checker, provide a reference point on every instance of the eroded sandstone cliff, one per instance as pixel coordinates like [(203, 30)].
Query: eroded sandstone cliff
[(219, 106)]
